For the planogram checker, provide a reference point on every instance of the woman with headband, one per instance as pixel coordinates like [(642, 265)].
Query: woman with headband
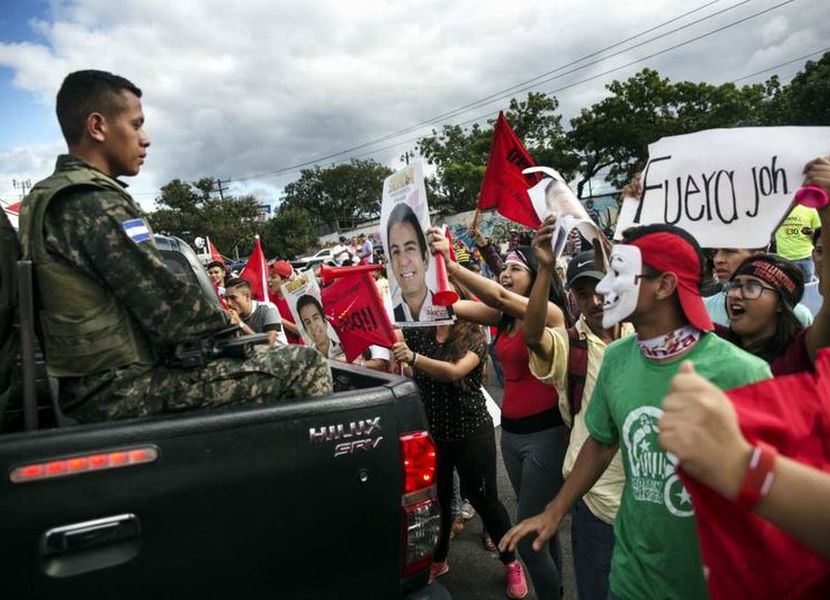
[(761, 296)]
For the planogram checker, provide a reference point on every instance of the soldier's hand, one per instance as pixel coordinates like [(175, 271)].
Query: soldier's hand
[(544, 525)]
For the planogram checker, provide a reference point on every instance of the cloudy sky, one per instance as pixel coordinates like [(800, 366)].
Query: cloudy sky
[(243, 90)]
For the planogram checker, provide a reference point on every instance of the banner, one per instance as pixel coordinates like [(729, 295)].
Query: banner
[(505, 182), (729, 188), (552, 196), (404, 219), (256, 272), (353, 306), (303, 297)]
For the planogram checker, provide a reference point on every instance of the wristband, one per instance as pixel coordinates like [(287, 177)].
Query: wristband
[(414, 357), (759, 476)]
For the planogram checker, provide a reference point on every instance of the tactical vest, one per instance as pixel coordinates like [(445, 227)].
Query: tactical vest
[(84, 328)]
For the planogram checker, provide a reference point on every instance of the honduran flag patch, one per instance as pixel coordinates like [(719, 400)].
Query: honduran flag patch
[(136, 230)]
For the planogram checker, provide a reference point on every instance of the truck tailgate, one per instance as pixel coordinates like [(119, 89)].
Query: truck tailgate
[(246, 503)]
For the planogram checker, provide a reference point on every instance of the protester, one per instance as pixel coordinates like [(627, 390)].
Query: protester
[(700, 427), (652, 280), (762, 293), (726, 262), (280, 273), (340, 254), (121, 312), (446, 362), (217, 272), (366, 250), (251, 315), (570, 360), (534, 436), (794, 238), (813, 293)]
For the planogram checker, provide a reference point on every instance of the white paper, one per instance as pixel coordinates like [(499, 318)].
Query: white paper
[(728, 187), (625, 218)]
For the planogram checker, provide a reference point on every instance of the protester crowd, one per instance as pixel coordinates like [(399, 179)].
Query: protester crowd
[(586, 349), (627, 393)]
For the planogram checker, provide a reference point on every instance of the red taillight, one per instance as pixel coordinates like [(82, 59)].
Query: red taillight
[(419, 461), (420, 515), (84, 464)]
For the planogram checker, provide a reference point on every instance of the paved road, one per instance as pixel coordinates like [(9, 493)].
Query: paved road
[(475, 574)]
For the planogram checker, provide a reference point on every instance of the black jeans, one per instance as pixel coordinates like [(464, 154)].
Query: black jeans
[(475, 460)]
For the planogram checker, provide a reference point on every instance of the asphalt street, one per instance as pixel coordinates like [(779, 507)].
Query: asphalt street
[(475, 574)]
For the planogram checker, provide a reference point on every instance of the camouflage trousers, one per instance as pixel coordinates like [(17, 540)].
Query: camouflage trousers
[(271, 375)]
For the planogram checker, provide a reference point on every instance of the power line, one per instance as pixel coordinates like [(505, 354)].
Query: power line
[(516, 87), (298, 166)]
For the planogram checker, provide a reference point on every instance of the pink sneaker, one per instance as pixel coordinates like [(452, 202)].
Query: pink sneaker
[(436, 569), (516, 584)]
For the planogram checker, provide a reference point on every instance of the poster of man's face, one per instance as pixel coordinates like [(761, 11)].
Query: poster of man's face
[(403, 221), (303, 296)]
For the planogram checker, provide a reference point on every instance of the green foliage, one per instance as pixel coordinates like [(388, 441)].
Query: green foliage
[(806, 99), (460, 154), (340, 196), (291, 233), (189, 210)]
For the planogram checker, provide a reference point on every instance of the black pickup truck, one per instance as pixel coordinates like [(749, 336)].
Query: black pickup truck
[(326, 498)]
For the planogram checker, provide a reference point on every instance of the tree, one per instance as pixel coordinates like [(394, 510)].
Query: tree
[(189, 210), (460, 154), (340, 196), (804, 101), (614, 133), (289, 234)]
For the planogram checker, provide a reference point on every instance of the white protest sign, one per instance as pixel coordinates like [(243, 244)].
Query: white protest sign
[(303, 296), (404, 219), (729, 188), (552, 196), (625, 218)]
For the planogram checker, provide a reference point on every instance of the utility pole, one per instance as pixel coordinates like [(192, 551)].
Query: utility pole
[(24, 185), (221, 187)]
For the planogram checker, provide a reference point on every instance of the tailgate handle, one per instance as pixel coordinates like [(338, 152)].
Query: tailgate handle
[(89, 533)]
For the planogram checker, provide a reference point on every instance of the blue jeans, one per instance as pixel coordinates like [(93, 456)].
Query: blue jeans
[(807, 267), (534, 465), (593, 544), (455, 505)]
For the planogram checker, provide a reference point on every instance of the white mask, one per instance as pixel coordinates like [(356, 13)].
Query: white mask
[(620, 287)]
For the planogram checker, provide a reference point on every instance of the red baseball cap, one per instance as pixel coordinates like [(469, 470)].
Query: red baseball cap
[(282, 268), (670, 252)]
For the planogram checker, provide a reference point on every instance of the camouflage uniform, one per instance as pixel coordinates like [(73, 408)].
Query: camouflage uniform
[(86, 228)]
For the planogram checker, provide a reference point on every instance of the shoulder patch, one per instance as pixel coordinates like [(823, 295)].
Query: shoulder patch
[(136, 230)]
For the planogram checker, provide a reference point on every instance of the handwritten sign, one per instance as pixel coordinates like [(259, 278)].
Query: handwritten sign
[(728, 187)]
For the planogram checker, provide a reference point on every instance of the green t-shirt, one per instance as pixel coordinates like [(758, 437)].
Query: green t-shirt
[(656, 552), (790, 240)]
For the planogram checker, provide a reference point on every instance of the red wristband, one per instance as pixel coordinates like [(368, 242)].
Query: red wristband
[(759, 476)]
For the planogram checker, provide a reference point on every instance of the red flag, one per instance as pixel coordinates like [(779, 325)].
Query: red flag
[(355, 309), (256, 273), (504, 187), (745, 555), (13, 208), (214, 253)]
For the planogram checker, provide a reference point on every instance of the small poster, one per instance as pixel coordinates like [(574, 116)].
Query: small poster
[(303, 296), (404, 219)]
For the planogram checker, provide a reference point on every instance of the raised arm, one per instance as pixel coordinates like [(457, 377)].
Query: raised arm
[(818, 172), (536, 316), (488, 291)]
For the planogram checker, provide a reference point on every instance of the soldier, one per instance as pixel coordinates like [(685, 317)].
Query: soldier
[(110, 311)]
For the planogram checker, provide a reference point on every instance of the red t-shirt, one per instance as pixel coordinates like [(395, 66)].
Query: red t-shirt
[(795, 358), (285, 314), (524, 395), (747, 556)]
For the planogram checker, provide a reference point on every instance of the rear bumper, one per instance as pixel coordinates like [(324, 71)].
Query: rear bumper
[(433, 591)]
